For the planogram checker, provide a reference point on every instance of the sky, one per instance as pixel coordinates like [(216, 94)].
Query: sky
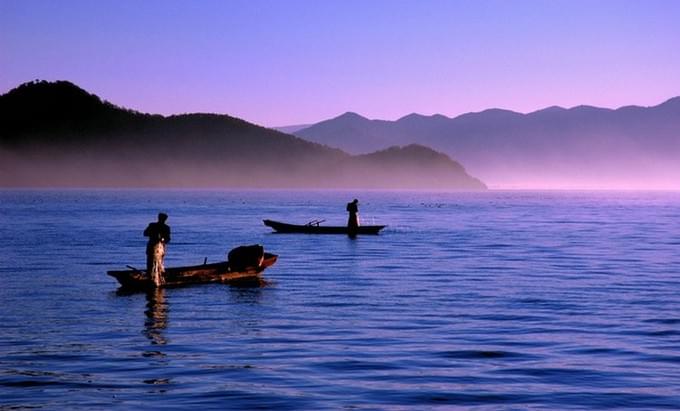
[(282, 62)]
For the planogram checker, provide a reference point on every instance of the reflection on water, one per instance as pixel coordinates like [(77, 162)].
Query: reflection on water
[(155, 325), (156, 316), (247, 294)]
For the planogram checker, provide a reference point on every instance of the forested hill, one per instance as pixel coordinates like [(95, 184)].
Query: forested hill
[(57, 134)]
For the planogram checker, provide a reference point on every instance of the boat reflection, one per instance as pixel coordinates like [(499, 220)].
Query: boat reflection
[(250, 294)]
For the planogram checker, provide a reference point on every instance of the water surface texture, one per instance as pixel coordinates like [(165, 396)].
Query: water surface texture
[(494, 300)]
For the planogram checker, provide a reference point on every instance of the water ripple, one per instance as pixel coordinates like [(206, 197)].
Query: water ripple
[(497, 300)]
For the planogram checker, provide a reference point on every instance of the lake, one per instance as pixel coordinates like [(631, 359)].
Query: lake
[(486, 300)]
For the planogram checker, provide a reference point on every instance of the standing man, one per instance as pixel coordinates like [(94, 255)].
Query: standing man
[(353, 222), (159, 236)]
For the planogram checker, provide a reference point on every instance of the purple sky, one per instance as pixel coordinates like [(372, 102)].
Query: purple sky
[(289, 62)]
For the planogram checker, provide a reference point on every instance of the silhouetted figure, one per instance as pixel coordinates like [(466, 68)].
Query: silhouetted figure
[(353, 222), (159, 236)]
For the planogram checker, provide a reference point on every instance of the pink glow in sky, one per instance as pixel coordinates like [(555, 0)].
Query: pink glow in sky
[(290, 62)]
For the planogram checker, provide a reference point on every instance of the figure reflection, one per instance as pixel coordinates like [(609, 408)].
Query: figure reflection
[(156, 316)]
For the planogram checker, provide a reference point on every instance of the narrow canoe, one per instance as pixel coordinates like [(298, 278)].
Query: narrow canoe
[(196, 274), (320, 229)]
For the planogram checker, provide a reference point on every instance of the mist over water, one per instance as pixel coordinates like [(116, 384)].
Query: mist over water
[(101, 167), (487, 300)]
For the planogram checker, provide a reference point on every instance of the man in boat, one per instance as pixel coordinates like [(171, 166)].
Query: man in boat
[(353, 222), (159, 236)]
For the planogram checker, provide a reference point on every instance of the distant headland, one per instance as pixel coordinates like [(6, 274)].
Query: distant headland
[(55, 134)]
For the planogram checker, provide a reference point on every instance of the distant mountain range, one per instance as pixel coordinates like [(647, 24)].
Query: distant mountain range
[(55, 134), (292, 129), (580, 147)]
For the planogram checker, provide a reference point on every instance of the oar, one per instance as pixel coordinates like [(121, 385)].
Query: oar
[(315, 222)]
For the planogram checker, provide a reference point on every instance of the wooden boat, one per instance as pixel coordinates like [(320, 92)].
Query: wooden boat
[(205, 273), (316, 228)]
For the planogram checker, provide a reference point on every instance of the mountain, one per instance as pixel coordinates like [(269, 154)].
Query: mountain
[(352, 131), (57, 134), (583, 146), (291, 129), (410, 160)]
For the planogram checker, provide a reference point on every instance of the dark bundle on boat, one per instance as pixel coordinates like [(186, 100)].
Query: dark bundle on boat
[(245, 256)]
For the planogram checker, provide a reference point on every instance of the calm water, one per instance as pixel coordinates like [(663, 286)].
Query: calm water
[(498, 300)]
